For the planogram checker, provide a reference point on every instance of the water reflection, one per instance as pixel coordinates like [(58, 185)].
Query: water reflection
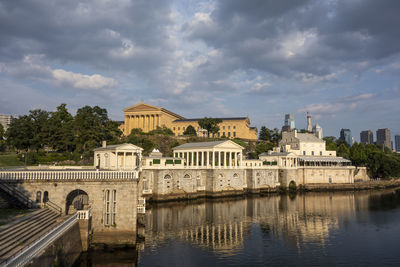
[(310, 229)]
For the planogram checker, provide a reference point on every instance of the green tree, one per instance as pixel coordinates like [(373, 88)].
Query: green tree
[(20, 133), (2, 136), (60, 127), (343, 151), (190, 130), (210, 124), (91, 126), (330, 142), (265, 134), (162, 130), (40, 127), (2, 132)]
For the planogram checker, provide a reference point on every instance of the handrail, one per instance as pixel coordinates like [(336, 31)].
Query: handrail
[(28, 253), (53, 206), (17, 194)]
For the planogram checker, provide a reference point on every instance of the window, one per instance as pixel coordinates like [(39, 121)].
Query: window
[(218, 134), (223, 127), (114, 207), (304, 153), (38, 197), (236, 175), (223, 133), (107, 218), (183, 128), (179, 128), (234, 134), (173, 128), (187, 176), (312, 153), (167, 176), (229, 127), (229, 134), (320, 153), (234, 126)]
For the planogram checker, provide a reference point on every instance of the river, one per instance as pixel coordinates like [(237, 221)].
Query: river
[(312, 229)]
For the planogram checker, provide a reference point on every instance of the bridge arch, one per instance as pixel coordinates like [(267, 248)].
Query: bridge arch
[(76, 200)]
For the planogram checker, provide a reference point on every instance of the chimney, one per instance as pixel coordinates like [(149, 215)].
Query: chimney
[(103, 144), (309, 127)]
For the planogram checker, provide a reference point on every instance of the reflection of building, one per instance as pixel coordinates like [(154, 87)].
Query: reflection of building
[(383, 138), (366, 137), (6, 120), (148, 117), (345, 135), (223, 226)]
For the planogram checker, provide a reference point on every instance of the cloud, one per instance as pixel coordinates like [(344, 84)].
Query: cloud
[(81, 81)]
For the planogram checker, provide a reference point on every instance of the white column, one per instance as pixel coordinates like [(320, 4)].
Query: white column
[(219, 158), (202, 159), (213, 158), (208, 158), (192, 159), (225, 159), (240, 159), (236, 163), (230, 160)]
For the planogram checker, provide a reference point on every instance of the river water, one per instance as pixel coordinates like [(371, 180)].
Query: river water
[(313, 229)]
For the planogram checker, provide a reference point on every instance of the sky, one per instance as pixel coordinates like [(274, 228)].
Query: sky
[(339, 60)]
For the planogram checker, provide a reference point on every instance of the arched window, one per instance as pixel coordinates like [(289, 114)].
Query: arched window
[(258, 174), (45, 196), (187, 176), (38, 197), (236, 175), (167, 176)]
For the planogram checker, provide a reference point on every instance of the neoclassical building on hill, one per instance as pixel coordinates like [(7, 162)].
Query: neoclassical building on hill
[(148, 117)]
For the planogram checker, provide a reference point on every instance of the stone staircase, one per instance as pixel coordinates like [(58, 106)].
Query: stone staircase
[(15, 197), (17, 235)]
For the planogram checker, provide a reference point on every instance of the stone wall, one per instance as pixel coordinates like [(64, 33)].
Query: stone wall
[(361, 174), (64, 251), (126, 199)]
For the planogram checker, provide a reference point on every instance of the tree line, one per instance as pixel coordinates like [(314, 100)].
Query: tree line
[(60, 131)]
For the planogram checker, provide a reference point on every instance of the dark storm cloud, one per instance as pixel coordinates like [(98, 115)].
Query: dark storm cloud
[(111, 35), (291, 37)]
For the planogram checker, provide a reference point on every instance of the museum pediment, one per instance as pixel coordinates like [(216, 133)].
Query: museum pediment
[(142, 107)]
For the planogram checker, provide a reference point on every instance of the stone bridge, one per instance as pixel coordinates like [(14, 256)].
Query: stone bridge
[(111, 195)]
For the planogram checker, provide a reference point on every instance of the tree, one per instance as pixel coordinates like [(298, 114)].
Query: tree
[(330, 142), (343, 151), (2, 132), (162, 130), (40, 127), (2, 141), (190, 130), (265, 134), (20, 133), (61, 135), (210, 124)]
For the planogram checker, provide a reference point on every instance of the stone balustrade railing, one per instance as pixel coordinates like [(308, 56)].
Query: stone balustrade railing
[(83, 214), (69, 175)]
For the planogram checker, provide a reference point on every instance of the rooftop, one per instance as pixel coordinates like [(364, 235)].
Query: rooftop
[(209, 145), (224, 119)]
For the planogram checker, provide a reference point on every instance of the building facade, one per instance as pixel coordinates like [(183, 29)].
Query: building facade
[(397, 142), (345, 135), (383, 138), (366, 137), (6, 120), (148, 118)]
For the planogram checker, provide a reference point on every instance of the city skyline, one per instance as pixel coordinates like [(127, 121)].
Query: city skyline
[(337, 60)]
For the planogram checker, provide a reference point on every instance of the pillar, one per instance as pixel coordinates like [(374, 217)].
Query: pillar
[(230, 160), (236, 163), (207, 158), (224, 159), (213, 158), (219, 159), (192, 158), (241, 158)]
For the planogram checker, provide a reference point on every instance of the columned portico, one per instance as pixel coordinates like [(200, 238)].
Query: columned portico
[(222, 154)]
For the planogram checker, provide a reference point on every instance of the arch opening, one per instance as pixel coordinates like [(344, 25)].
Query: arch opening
[(76, 200)]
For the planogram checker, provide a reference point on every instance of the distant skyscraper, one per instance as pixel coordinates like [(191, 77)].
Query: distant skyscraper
[(317, 130), (366, 137), (397, 142), (6, 120), (383, 138), (289, 121), (345, 135), (309, 127)]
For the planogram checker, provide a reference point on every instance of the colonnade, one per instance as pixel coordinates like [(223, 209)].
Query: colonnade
[(287, 162), (145, 122), (211, 158)]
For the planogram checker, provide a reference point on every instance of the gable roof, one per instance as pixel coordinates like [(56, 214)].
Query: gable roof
[(309, 138), (147, 107), (213, 144), (125, 146)]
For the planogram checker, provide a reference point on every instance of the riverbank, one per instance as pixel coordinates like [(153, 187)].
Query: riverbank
[(366, 185)]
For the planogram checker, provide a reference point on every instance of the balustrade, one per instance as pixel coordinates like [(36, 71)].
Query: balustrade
[(68, 175)]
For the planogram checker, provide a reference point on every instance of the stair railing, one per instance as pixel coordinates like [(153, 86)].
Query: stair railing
[(17, 194), (53, 206)]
